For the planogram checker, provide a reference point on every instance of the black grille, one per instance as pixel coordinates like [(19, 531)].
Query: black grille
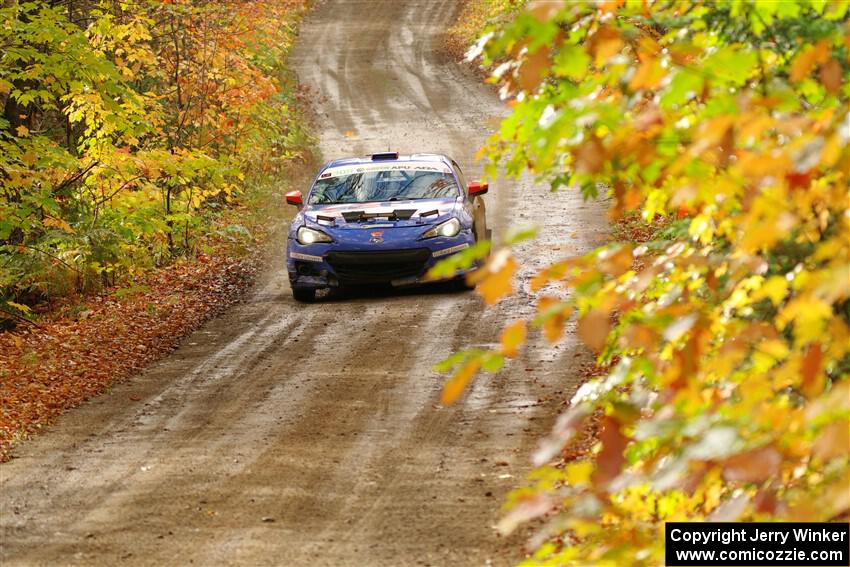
[(378, 266)]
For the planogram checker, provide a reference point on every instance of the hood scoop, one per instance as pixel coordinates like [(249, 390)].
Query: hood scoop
[(396, 214)]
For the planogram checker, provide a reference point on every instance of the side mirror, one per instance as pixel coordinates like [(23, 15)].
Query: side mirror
[(294, 198), (477, 188)]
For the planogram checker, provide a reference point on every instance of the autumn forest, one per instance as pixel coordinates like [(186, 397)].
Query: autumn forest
[(660, 327)]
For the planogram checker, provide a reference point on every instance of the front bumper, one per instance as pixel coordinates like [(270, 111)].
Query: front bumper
[(334, 265)]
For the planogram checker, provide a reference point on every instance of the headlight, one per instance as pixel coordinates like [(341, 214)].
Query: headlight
[(449, 228), (307, 235)]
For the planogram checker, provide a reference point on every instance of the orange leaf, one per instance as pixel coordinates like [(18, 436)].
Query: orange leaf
[(617, 262), (593, 328), (830, 76), (544, 10), (649, 75), (590, 156), (455, 387), (761, 165), (832, 441), (610, 459), (555, 314), (756, 465), (812, 383), (533, 69), (806, 61), (556, 271), (496, 278), (712, 133), (605, 43), (639, 336), (513, 336)]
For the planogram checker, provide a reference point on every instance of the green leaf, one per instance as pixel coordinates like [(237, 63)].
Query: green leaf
[(731, 65), (572, 62), (686, 84)]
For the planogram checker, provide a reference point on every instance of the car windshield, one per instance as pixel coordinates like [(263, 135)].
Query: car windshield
[(384, 185)]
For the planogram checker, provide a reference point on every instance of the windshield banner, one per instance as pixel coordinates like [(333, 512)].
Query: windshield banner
[(351, 170)]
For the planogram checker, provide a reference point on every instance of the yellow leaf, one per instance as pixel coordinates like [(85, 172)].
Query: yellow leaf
[(29, 158), (457, 384), (513, 336), (58, 223), (23, 131), (583, 528), (578, 474), (774, 289), (809, 315), (20, 307)]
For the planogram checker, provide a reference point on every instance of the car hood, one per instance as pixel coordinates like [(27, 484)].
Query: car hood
[(332, 216)]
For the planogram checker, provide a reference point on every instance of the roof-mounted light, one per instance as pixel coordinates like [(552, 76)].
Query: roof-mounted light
[(384, 156)]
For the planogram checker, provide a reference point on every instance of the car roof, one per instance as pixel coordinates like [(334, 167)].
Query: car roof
[(402, 158)]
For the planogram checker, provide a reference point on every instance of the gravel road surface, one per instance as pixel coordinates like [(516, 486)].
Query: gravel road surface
[(288, 434)]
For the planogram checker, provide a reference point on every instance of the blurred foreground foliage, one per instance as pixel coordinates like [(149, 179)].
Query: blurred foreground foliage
[(128, 128), (727, 334)]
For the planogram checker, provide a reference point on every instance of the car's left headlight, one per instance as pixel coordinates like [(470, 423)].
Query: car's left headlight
[(307, 235), (449, 228)]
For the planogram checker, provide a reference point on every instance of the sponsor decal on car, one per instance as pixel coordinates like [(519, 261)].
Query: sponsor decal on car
[(307, 257), (447, 251)]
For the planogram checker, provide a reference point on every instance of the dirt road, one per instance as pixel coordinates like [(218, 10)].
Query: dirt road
[(287, 434)]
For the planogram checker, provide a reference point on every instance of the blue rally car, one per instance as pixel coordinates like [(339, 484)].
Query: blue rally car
[(381, 219)]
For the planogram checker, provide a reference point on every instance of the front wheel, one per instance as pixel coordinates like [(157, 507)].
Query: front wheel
[(460, 284), (304, 295)]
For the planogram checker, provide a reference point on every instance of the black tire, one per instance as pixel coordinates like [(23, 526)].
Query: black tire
[(461, 285), (304, 295)]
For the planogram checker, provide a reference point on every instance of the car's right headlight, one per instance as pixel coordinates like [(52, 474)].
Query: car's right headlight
[(307, 235), (449, 228)]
